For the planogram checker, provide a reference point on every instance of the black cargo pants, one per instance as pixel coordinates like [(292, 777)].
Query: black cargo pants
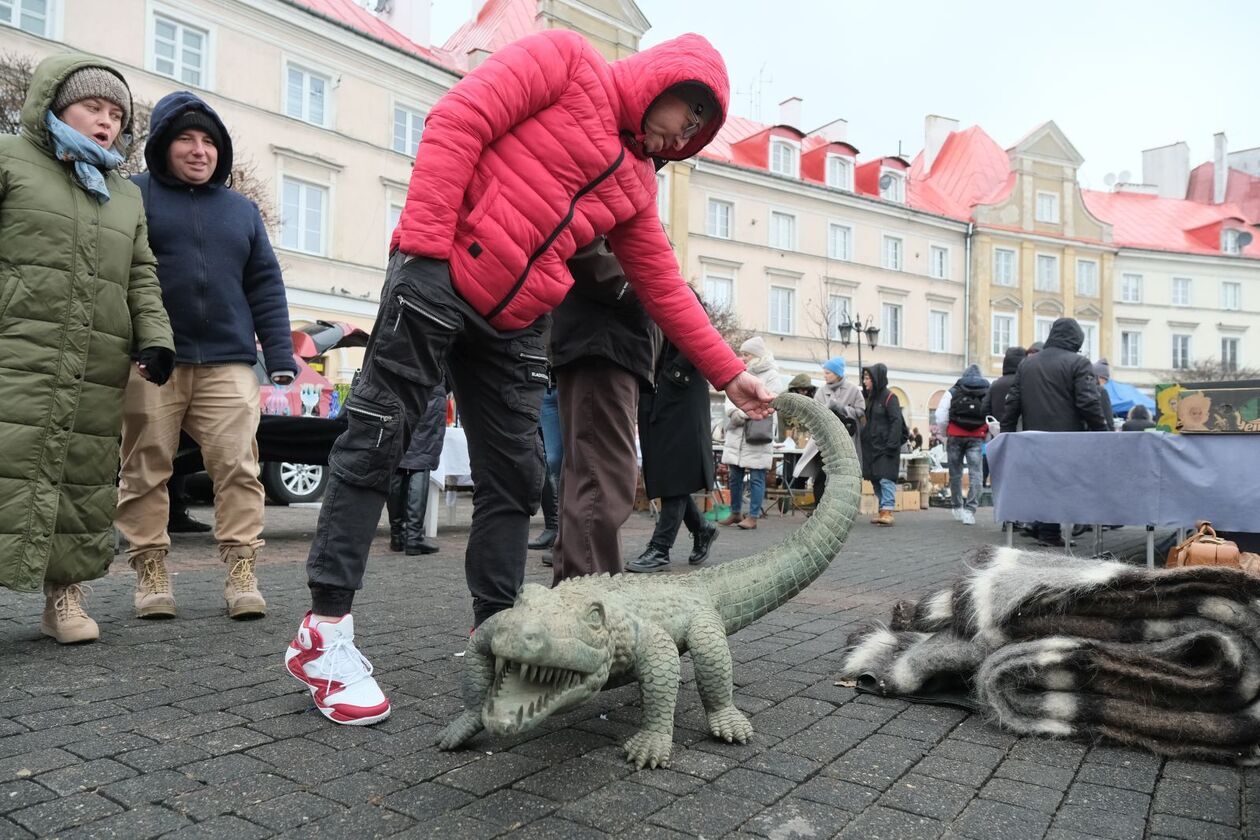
[(422, 327)]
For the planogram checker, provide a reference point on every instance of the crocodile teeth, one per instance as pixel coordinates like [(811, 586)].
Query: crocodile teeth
[(531, 708), (520, 715), (500, 665)]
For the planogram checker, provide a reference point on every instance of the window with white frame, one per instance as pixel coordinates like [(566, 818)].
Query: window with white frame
[(892, 185), (408, 126), (179, 50), (1005, 333), (839, 309), (662, 196), (302, 216), (1047, 273), (839, 172), (719, 218), (1087, 278), (938, 262), (32, 16), (890, 327), (782, 230), (1229, 241), (1229, 353), (839, 242), (938, 331), (1004, 273), (782, 309), (892, 253), (1089, 347), (719, 289), (1131, 288), (1047, 207), (784, 158), (306, 95), (392, 214), (1130, 348), (1180, 351), (1041, 328), (1181, 291), (1231, 296)]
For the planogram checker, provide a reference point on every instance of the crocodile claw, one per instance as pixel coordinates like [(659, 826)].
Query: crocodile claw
[(649, 749), (460, 730), (730, 725)]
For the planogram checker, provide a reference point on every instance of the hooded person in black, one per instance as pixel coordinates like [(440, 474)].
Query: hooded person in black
[(882, 437), (995, 401), (1056, 390)]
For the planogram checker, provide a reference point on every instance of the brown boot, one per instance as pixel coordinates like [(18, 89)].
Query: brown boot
[(153, 598), (732, 519), (885, 518), (240, 590), (64, 618), (749, 523)]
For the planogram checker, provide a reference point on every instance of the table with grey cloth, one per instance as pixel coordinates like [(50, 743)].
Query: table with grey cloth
[(1127, 478)]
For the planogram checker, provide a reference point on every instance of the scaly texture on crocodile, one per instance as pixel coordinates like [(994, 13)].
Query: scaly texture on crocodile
[(555, 648)]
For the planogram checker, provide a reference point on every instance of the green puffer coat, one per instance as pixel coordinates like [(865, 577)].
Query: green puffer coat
[(78, 290)]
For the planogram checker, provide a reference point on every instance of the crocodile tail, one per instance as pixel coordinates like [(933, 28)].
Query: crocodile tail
[(748, 588)]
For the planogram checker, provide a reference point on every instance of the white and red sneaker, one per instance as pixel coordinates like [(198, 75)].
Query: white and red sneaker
[(323, 656)]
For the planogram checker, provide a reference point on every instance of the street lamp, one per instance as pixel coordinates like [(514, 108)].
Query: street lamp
[(848, 326)]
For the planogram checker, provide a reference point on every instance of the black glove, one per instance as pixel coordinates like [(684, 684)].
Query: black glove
[(157, 363)]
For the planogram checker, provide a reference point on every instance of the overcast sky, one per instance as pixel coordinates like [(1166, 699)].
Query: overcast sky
[(1117, 76)]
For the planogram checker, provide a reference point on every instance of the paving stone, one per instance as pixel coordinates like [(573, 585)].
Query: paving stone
[(1123, 757), (1185, 828), (85, 776), (953, 770), (927, 797), (1065, 754), (230, 740), (225, 768), (670, 781), (707, 813), (34, 763), (984, 819), (361, 821), (11, 831), (797, 818), (617, 808), (150, 788), (359, 787), (510, 809), (1141, 779), (454, 825), (289, 810), (877, 762), (553, 828), (1022, 794), (102, 746), (1043, 775), (846, 796), (784, 765), (701, 764), (53, 816), (1108, 824), (749, 784), (970, 752), (878, 823), (137, 824), (1215, 803), (490, 773), (218, 828), (1113, 799), (232, 796), (427, 800), (573, 779), (22, 793), (163, 756)]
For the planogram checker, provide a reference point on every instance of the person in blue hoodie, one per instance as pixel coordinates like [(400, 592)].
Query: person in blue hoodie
[(222, 286)]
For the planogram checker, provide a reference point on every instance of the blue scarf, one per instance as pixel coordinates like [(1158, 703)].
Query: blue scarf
[(88, 157)]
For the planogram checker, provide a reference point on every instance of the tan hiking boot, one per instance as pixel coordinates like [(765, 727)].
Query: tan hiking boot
[(748, 524), (153, 598), (731, 519), (64, 618), (885, 518), (240, 590)]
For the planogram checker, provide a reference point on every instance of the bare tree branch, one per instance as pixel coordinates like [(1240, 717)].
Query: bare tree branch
[(1208, 370)]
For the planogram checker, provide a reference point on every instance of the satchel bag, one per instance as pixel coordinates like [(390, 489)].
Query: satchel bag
[(759, 431), (1204, 548)]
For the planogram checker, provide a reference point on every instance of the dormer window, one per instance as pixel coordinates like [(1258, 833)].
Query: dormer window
[(785, 158), (840, 172), (1048, 207), (1229, 241), (892, 185)]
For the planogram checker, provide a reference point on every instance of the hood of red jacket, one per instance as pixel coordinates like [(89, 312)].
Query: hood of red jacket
[(641, 78)]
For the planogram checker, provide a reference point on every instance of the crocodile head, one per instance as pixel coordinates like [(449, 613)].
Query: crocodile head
[(551, 652)]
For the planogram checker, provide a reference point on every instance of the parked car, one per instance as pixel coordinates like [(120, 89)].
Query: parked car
[(298, 425)]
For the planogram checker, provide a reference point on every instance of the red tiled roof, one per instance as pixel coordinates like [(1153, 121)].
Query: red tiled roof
[(498, 23), (1241, 189), (970, 169), (353, 16), (1166, 224)]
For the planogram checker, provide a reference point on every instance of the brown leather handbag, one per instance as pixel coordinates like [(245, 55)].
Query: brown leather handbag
[(1204, 548)]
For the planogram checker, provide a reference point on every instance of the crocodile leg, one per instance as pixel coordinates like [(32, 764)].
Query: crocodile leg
[(478, 675), (656, 666), (711, 655)]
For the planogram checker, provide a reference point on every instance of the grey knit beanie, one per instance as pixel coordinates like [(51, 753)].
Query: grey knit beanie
[(1102, 369), (93, 81)]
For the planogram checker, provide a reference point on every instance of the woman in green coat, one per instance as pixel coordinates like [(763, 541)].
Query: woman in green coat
[(79, 297)]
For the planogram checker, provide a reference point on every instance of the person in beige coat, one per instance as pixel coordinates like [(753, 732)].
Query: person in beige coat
[(748, 451)]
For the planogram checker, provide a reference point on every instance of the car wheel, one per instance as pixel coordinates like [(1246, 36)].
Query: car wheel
[(288, 483)]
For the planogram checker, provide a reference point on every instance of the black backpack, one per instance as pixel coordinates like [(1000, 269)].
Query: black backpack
[(964, 407)]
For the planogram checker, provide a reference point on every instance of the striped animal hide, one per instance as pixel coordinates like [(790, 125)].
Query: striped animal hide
[(1046, 644)]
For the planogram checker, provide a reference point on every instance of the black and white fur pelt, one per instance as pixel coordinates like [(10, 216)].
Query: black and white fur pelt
[(1047, 644)]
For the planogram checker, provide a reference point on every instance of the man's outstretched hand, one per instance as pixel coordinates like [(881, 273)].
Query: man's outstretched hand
[(750, 395)]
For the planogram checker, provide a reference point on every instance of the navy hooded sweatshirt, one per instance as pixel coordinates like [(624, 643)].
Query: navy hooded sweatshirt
[(220, 279)]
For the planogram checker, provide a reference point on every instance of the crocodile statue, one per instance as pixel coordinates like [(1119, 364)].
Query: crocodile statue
[(555, 648)]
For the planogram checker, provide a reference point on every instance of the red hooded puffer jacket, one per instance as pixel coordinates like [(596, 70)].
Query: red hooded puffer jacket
[(538, 151)]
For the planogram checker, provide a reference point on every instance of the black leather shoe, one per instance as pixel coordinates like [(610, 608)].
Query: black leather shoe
[(701, 543), (181, 522), (545, 540), (425, 546), (548, 559), (651, 560)]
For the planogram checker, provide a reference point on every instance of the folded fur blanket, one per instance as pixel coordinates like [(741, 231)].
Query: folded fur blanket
[(1046, 644)]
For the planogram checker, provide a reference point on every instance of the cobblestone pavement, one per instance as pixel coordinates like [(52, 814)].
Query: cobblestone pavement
[(190, 728)]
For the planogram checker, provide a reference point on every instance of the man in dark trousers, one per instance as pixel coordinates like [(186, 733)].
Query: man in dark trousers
[(1055, 391), (965, 428)]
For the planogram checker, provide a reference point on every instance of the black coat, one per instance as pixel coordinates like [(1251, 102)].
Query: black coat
[(1056, 390), (884, 432), (995, 401), (601, 317), (674, 430)]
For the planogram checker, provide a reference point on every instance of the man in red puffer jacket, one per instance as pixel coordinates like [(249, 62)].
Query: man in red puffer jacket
[(541, 149)]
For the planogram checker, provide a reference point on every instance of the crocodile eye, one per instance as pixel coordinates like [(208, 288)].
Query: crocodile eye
[(595, 615)]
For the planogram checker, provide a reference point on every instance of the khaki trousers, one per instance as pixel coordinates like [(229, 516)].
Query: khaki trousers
[(218, 406)]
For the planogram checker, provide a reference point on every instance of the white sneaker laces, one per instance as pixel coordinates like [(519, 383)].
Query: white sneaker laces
[(345, 664)]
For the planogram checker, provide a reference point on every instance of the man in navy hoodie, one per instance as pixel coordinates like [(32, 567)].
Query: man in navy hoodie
[(221, 285)]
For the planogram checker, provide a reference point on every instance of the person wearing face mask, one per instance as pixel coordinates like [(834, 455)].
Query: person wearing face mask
[(541, 149), (79, 298), (222, 285)]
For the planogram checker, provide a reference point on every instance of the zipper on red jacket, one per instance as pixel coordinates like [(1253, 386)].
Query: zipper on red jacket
[(542, 249)]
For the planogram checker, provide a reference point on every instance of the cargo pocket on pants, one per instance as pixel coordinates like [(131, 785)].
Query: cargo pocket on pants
[(368, 450), (416, 333), (530, 379)]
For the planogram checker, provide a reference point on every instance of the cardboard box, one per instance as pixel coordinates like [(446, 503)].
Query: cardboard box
[(867, 488), (869, 506), (1228, 408)]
